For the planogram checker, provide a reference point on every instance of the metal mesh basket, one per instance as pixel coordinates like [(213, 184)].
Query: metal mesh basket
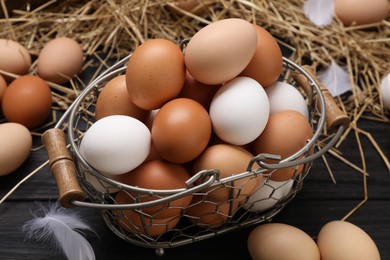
[(75, 177)]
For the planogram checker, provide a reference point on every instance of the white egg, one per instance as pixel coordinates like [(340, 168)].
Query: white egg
[(239, 111), (116, 144), (268, 195), (283, 96), (385, 91)]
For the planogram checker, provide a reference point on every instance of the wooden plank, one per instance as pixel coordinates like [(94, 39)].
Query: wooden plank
[(307, 215)]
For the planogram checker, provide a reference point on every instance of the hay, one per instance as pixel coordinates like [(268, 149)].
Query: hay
[(118, 27)]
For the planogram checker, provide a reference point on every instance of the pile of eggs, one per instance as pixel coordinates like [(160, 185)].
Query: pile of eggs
[(212, 106), (336, 240), (25, 95)]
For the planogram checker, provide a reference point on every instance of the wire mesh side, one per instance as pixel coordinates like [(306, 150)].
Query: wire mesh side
[(142, 228)]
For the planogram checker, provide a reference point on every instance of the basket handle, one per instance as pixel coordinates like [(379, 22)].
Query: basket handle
[(208, 177), (62, 167), (335, 117)]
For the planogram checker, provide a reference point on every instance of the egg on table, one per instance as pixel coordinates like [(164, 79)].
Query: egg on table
[(27, 100), (278, 241), (16, 143), (345, 241)]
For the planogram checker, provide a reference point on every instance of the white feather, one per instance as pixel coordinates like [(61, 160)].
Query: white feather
[(319, 12), (336, 79), (61, 228)]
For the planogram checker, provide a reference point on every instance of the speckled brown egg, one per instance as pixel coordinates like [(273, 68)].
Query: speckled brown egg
[(27, 100), (155, 73), (114, 100)]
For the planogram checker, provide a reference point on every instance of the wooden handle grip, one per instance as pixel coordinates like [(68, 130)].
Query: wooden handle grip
[(62, 167), (335, 117)]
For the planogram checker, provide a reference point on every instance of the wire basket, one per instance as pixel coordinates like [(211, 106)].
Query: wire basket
[(74, 176)]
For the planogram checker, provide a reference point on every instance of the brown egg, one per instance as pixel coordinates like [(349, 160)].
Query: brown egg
[(344, 240), (153, 154), (114, 100), (285, 134), (60, 59), (139, 223), (282, 242), (214, 139), (221, 50), (181, 130), (192, 6), (229, 160), (159, 175), (267, 63), (3, 86), (198, 91), (155, 73), (208, 214), (15, 58), (15, 146), (27, 100), (360, 12), (150, 119)]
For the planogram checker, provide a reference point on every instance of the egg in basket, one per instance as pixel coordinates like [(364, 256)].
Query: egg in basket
[(176, 144)]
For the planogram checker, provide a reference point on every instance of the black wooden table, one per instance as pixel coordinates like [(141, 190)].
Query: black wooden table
[(319, 202)]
